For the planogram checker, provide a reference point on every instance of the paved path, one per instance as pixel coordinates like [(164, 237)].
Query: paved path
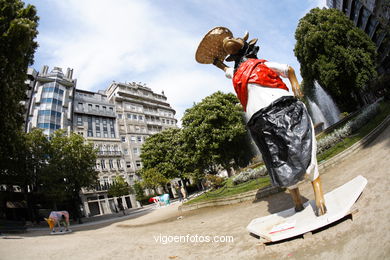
[(144, 237)]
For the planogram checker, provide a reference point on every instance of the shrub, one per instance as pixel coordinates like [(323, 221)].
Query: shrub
[(352, 126), (215, 181), (250, 174)]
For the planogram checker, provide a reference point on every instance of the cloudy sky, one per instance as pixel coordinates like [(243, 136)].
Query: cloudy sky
[(154, 41)]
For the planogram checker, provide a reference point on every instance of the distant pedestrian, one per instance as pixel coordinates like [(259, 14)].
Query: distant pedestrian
[(177, 189), (184, 192), (121, 208)]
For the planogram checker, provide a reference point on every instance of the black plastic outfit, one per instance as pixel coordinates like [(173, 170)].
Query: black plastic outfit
[(283, 133)]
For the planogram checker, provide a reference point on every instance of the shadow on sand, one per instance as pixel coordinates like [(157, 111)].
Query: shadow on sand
[(279, 201)]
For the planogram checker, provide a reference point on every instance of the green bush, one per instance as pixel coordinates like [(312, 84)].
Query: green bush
[(215, 181)]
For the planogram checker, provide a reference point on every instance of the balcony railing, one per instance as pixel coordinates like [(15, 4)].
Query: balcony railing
[(109, 153)]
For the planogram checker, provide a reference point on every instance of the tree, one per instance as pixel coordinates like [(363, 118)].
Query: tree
[(152, 179), (337, 54), (215, 133), (139, 191), (119, 188), (72, 163), (164, 152), (18, 29), (33, 164)]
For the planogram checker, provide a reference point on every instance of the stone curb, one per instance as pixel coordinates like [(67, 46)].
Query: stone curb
[(250, 195), (258, 194)]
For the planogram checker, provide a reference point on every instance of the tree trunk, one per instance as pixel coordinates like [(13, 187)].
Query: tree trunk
[(229, 171)]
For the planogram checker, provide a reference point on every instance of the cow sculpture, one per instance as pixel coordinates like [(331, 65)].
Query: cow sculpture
[(278, 121), (58, 218)]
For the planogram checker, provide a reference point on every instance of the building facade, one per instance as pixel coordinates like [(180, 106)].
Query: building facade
[(51, 104), (372, 16), (140, 113), (117, 121), (95, 119)]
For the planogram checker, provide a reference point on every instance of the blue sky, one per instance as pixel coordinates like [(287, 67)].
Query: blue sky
[(154, 41)]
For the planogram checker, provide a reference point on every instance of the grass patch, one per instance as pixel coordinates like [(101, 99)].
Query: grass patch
[(229, 189), (357, 136)]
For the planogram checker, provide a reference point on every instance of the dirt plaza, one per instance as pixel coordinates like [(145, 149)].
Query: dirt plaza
[(152, 235)]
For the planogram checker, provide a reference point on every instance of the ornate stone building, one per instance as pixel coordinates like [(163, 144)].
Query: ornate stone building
[(140, 113), (95, 119)]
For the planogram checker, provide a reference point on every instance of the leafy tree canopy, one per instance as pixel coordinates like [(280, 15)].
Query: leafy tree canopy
[(152, 178), (215, 133), (337, 54), (18, 29), (119, 188)]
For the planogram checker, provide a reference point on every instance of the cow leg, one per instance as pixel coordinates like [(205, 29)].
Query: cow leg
[(319, 197), (297, 199)]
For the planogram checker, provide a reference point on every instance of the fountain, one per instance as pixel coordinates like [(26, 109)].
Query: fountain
[(326, 105), (323, 108), (317, 115)]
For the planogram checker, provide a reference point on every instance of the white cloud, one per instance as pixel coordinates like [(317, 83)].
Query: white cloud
[(154, 42)]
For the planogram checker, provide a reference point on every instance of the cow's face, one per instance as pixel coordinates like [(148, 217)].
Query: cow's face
[(51, 223), (233, 45)]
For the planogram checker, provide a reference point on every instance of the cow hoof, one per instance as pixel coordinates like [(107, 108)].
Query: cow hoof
[(299, 208), (321, 209)]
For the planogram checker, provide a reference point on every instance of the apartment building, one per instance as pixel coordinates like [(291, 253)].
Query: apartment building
[(51, 100), (117, 121), (140, 113), (95, 119)]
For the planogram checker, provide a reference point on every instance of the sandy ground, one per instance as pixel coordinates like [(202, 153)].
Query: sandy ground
[(367, 237)]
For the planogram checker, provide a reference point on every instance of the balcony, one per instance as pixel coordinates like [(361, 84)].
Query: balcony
[(94, 112), (109, 153)]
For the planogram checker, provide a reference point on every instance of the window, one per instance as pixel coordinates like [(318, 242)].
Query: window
[(120, 116), (97, 107), (135, 117), (90, 106), (135, 150), (104, 108), (138, 164), (118, 164), (103, 164), (128, 164), (81, 106), (139, 139), (79, 120), (140, 117), (123, 139), (126, 151), (163, 121), (90, 133), (110, 162), (132, 139), (111, 109)]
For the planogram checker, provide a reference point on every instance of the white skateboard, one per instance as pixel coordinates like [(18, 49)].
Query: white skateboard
[(288, 223)]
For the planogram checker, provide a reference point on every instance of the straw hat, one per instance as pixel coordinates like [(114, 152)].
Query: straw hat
[(211, 46)]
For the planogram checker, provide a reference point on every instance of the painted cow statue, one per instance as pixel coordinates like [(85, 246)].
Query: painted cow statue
[(58, 218)]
